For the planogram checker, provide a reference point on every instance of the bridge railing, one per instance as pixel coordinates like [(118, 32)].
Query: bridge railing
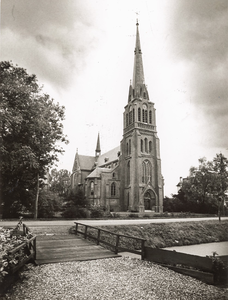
[(115, 244)]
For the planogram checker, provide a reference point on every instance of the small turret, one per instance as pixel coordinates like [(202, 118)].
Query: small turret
[(98, 148)]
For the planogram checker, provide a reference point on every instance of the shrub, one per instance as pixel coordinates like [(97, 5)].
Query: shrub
[(133, 216), (10, 239), (220, 270), (96, 211), (75, 212)]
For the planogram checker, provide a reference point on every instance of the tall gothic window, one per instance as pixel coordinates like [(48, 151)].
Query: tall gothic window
[(146, 145), (129, 146), (128, 172), (91, 188), (150, 117), (130, 117), (139, 114), (147, 171), (127, 149), (150, 146), (126, 120), (113, 189), (141, 145), (133, 115), (146, 117)]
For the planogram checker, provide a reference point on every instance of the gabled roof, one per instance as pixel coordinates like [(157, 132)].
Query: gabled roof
[(86, 162), (97, 172), (83, 162), (109, 156)]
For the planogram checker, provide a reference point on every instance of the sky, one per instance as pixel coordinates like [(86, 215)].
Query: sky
[(82, 52)]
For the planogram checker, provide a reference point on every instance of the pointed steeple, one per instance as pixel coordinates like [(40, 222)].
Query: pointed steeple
[(98, 148), (138, 87), (138, 74)]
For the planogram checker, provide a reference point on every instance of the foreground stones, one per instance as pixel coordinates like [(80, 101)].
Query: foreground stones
[(110, 279)]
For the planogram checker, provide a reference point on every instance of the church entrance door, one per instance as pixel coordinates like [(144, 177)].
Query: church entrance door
[(149, 201)]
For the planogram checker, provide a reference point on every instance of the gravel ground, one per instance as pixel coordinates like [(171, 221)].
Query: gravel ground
[(110, 279)]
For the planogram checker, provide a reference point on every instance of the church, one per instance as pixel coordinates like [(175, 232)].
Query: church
[(128, 177)]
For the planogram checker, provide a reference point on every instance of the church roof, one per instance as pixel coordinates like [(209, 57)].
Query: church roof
[(86, 162), (97, 172), (109, 156)]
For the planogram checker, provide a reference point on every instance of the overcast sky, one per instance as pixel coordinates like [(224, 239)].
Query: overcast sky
[(83, 54)]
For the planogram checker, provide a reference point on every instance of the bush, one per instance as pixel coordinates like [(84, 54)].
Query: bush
[(133, 216), (220, 270), (75, 212), (49, 203), (9, 240), (96, 212)]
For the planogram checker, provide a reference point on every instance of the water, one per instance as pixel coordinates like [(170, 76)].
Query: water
[(207, 249)]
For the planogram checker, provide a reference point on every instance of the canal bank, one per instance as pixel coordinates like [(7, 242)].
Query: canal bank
[(205, 249)]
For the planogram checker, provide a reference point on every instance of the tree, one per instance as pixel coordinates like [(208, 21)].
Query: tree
[(59, 181), (76, 205), (31, 126), (205, 184)]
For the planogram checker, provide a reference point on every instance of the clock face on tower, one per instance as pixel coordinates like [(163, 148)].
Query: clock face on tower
[(144, 106)]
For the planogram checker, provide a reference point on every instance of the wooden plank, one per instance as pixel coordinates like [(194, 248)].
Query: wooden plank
[(62, 244), (59, 260), (203, 276), (67, 252), (173, 258), (56, 237)]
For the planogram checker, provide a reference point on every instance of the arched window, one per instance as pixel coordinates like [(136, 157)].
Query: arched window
[(139, 114), (147, 171), (127, 149), (91, 188), (150, 117), (143, 115), (128, 172), (113, 189), (150, 146), (146, 117), (126, 119), (113, 175), (129, 146), (141, 145), (146, 145), (130, 117), (133, 115), (144, 173)]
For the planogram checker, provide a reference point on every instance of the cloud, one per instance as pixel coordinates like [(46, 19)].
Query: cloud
[(53, 37), (200, 40)]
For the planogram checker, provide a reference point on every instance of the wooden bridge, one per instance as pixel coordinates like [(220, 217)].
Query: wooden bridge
[(64, 248)]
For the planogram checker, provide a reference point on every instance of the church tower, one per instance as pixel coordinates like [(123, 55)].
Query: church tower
[(141, 179)]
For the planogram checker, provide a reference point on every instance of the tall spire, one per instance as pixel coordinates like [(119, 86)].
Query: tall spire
[(98, 148), (138, 74)]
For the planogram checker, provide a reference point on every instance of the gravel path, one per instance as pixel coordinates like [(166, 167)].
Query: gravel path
[(110, 279)]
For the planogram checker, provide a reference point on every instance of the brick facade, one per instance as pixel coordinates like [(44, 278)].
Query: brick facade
[(127, 178)]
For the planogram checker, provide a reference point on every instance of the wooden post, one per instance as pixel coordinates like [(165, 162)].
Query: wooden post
[(143, 250), (76, 228), (98, 236), (117, 243), (85, 234), (34, 248), (24, 230)]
